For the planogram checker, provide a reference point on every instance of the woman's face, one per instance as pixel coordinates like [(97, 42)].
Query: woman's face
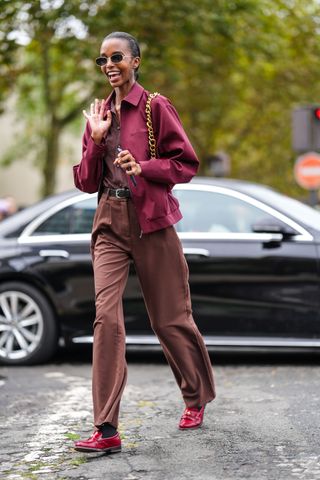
[(120, 73)]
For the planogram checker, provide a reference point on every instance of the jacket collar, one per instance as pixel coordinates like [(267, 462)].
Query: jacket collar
[(133, 96)]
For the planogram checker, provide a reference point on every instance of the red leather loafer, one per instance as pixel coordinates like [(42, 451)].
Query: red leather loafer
[(98, 444), (191, 418)]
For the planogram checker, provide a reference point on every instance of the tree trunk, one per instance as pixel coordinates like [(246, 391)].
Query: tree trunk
[(51, 157)]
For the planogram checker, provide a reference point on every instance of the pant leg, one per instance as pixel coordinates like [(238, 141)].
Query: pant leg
[(163, 274), (111, 267)]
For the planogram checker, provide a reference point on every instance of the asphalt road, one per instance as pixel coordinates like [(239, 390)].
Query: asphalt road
[(264, 423)]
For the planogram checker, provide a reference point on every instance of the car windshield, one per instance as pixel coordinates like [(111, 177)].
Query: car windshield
[(291, 207)]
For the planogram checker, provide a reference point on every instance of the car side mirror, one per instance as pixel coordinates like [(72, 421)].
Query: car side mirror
[(272, 226)]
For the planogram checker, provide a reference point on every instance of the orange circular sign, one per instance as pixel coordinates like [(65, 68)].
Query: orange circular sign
[(307, 171)]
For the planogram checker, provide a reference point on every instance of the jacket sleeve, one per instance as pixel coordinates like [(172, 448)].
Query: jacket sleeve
[(177, 161), (87, 174)]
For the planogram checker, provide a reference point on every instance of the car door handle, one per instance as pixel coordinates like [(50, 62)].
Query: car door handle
[(199, 252), (54, 253), (273, 240)]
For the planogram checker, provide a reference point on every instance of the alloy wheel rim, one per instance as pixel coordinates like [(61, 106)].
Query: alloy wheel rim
[(21, 325)]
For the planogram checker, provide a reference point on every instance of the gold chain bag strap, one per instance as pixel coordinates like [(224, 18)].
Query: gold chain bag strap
[(152, 140)]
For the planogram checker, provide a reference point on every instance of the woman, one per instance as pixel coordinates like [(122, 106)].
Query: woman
[(134, 221)]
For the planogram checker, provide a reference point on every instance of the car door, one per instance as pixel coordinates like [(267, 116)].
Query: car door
[(246, 284), (57, 249)]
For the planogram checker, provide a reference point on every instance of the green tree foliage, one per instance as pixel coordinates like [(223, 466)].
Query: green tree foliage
[(51, 68), (233, 68)]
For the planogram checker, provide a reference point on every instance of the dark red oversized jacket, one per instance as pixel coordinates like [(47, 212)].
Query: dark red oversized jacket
[(176, 160)]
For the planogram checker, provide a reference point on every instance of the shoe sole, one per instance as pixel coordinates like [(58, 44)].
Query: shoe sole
[(103, 450), (191, 428)]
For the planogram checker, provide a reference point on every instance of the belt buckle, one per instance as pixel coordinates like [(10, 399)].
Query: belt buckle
[(118, 193)]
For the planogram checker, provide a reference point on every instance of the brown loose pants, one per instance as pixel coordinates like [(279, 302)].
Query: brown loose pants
[(163, 274)]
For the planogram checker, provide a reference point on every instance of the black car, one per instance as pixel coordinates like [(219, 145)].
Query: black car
[(253, 256)]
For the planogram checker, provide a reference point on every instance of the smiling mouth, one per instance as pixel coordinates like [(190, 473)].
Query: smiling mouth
[(113, 75)]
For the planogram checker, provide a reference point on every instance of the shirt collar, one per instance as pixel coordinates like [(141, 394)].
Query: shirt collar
[(133, 96)]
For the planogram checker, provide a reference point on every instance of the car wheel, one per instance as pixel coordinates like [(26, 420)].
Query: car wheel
[(28, 330)]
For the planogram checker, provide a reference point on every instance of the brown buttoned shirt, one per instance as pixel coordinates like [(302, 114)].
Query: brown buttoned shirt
[(114, 176)]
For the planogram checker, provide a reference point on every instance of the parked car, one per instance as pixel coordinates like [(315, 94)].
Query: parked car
[(253, 256)]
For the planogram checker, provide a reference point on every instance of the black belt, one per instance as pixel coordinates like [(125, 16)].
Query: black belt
[(119, 192)]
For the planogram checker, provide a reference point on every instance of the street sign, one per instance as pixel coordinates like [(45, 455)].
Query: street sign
[(307, 171)]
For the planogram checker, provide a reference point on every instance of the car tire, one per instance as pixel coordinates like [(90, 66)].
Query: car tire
[(28, 330)]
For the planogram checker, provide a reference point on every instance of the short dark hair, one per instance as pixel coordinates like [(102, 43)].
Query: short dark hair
[(132, 42)]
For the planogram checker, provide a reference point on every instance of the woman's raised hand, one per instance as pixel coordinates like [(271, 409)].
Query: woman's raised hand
[(99, 126)]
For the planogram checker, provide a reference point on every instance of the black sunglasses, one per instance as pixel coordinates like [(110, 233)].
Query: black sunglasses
[(115, 58)]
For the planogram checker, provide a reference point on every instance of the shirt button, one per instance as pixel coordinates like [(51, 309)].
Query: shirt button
[(118, 128)]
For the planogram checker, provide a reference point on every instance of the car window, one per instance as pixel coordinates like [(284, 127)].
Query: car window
[(217, 213), (14, 225), (290, 206), (76, 218)]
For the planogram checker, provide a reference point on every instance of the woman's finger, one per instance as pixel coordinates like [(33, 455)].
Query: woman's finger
[(92, 109), (128, 166), (96, 106), (85, 114), (123, 153), (101, 112), (123, 158), (133, 169), (125, 165), (109, 117)]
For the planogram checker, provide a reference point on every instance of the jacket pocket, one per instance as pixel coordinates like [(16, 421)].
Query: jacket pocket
[(161, 202)]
